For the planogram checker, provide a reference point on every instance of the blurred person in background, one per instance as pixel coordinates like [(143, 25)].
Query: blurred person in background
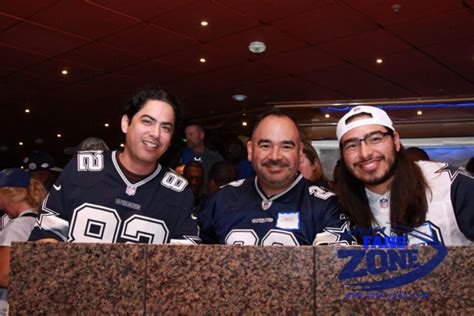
[(236, 153), (470, 165), (194, 172), (20, 197), (417, 154), (89, 143), (310, 166), (196, 150), (41, 167), (221, 173)]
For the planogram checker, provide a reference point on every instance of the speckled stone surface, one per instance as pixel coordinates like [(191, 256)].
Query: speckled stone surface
[(448, 289), (77, 279), (229, 280)]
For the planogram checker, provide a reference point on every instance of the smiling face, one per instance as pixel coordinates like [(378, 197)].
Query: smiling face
[(148, 136), (372, 164), (275, 151)]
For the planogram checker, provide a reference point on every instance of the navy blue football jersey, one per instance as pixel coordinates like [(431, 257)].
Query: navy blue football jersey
[(93, 201), (241, 214)]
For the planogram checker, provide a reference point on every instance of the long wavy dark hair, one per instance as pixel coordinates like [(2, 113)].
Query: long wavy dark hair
[(408, 202)]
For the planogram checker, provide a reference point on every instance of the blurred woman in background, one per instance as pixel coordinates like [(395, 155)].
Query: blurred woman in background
[(20, 197), (310, 166)]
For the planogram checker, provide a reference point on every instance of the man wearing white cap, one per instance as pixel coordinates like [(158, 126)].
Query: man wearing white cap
[(382, 190)]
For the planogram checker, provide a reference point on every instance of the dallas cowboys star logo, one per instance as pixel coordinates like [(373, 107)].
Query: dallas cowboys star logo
[(454, 172)]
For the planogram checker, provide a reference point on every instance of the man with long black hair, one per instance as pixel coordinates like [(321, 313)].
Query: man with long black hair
[(382, 190)]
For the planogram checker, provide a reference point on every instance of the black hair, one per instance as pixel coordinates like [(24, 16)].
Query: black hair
[(223, 172), (147, 93)]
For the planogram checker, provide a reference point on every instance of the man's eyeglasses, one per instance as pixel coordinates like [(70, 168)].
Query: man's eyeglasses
[(353, 145)]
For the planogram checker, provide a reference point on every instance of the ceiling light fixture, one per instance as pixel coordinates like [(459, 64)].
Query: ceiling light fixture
[(239, 97), (327, 115), (64, 72), (419, 112), (58, 135), (202, 60), (379, 60), (244, 123), (204, 23), (396, 8), (20, 143), (122, 145), (257, 47), (106, 124), (27, 110)]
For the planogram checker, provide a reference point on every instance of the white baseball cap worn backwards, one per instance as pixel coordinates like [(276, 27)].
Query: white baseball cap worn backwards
[(377, 116)]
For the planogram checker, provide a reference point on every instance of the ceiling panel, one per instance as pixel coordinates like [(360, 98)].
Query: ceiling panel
[(287, 89), (301, 60), (148, 40), (81, 18), (102, 56), (143, 9), (39, 40), (355, 83), (316, 50), (384, 13), (457, 24), (457, 55), (187, 20), (24, 8), (50, 70), (326, 23), (156, 72), (425, 76), (17, 59), (7, 21), (269, 10), (275, 40), (368, 45), (215, 58)]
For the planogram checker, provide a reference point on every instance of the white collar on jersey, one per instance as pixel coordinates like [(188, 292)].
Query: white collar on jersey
[(132, 187), (267, 202)]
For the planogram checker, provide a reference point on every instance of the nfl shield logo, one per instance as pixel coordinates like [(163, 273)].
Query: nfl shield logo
[(266, 204), (130, 190), (384, 202)]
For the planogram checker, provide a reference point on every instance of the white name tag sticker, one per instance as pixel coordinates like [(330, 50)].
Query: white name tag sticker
[(288, 220)]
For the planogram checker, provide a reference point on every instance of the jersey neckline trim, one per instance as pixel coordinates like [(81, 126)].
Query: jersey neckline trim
[(124, 178), (264, 196)]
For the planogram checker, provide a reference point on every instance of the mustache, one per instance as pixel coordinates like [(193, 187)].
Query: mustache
[(370, 159), (275, 163)]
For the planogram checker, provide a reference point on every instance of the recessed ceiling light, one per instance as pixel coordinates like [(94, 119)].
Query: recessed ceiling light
[(419, 112), (20, 143), (257, 47), (379, 60), (327, 115), (58, 135), (27, 110), (106, 124), (122, 145), (239, 97), (204, 23), (202, 60), (64, 72), (244, 123)]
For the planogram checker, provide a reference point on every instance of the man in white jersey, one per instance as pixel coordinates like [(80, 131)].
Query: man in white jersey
[(381, 189)]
